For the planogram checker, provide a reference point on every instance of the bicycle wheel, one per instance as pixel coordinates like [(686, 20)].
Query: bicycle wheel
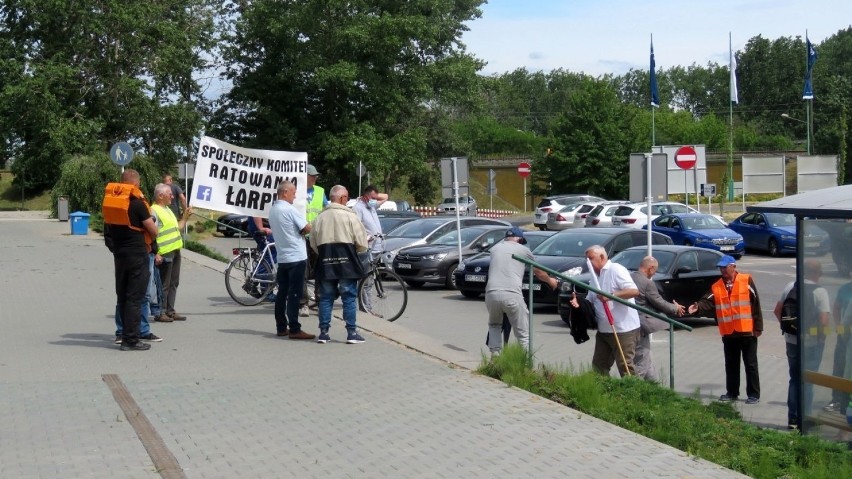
[(248, 280), (383, 295)]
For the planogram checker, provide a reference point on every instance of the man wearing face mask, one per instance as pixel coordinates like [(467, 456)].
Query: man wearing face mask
[(366, 208)]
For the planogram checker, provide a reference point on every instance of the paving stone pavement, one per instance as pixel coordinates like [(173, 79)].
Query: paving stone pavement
[(230, 399)]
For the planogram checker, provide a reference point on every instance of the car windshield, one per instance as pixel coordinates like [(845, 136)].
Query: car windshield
[(462, 199), (417, 228), (570, 208), (534, 240), (389, 224), (451, 238), (631, 258), (780, 219), (701, 223), (573, 244)]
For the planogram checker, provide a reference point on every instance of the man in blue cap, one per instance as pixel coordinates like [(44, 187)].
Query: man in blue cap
[(503, 291), (734, 302)]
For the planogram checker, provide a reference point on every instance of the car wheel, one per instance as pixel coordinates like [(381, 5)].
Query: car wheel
[(773, 247), (451, 276), (415, 284), (469, 294)]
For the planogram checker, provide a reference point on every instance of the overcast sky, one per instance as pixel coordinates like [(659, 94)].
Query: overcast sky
[(612, 36)]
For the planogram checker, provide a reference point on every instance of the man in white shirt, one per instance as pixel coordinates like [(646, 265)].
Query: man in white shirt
[(366, 208), (614, 279)]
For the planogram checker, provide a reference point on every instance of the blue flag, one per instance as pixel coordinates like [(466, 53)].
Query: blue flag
[(655, 94), (808, 93)]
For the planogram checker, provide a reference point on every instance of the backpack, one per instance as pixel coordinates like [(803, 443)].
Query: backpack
[(790, 322), (116, 204), (116, 210)]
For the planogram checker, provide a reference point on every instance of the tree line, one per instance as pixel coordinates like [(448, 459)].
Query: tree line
[(388, 84)]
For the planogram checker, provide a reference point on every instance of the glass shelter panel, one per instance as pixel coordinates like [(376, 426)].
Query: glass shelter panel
[(825, 328)]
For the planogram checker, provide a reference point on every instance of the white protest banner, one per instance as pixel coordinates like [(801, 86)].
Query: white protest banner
[(239, 180)]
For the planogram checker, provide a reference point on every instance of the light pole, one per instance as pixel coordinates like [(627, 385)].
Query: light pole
[(807, 125)]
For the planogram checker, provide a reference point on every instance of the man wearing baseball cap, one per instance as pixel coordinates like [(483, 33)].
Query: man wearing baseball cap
[(734, 303), (503, 291)]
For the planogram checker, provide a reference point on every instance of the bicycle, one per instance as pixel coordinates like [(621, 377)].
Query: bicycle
[(251, 276), (382, 292)]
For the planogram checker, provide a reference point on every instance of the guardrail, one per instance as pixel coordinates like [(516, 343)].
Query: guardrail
[(673, 323)]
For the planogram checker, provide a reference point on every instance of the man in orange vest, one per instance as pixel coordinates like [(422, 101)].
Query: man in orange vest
[(734, 302)]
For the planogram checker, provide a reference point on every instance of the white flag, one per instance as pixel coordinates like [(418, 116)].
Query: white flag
[(733, 66)]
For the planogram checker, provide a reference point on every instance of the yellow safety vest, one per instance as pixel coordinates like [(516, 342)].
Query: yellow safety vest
[(168, 237), (314, 208)]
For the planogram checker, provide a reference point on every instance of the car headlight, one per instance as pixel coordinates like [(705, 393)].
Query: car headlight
[(566, 286), (699, 239), (461, 266), (435, 257)]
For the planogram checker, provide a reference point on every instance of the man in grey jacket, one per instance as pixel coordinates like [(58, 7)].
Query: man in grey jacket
[(650, 298)]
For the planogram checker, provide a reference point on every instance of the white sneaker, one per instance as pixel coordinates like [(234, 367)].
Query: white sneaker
[(303, 312)]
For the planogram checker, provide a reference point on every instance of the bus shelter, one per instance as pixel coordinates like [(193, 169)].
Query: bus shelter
[(823, 220)]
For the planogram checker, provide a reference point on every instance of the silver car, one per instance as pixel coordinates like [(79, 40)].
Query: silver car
[(601, 215), (467, 206), (568, 216), (550, 204)]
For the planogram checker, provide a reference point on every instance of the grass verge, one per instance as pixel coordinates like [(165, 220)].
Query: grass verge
[(715, 432)]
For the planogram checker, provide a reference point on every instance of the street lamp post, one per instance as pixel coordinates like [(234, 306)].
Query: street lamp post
[(807, 125)]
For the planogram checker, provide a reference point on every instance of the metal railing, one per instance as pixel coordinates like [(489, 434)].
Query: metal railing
[(531, 278)]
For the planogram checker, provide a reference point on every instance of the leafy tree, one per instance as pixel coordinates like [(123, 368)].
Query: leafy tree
[(590, 145), (345, 80), (79, 76)]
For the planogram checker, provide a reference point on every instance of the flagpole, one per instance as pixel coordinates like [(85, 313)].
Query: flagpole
[(731, 122)]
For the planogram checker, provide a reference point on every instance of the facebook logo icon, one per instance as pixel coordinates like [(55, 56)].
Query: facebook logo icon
[(204, 193)]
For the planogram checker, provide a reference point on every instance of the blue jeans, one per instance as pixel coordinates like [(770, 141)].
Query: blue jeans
[(147, 306), (291, 281), (347, 289)]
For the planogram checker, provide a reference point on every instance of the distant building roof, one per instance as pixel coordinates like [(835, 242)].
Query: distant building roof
[(833, 202)]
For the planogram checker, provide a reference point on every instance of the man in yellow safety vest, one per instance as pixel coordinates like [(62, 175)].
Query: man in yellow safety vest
[(170, 242)]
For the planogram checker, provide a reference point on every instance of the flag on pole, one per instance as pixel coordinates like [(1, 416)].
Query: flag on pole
[(735, 97), (655, 94), (808, 93)]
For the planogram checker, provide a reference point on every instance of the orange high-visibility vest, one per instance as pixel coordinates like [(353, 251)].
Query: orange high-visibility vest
[(733, 312)]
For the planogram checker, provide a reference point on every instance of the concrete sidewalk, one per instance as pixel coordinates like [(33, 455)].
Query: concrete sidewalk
[(229, 399)]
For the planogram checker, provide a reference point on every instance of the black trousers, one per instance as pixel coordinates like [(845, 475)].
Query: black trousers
[(131, 284), (745, 347)]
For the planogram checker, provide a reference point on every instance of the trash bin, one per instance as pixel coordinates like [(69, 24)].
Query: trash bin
[(79, 223), (62, 208)]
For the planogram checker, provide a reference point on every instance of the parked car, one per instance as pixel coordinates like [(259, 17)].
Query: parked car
[(471, 281), (704, 231), (635, 215), (775, 233), (567, 216), (423, 230), (437, 260), (601, 215), (553, 203), (561, 252), (684, 273), (227, 223), (467, 206)]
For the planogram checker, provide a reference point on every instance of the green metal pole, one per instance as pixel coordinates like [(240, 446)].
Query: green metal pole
[(531, 283)]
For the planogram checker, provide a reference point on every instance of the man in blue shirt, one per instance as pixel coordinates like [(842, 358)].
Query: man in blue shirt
[(289, 228)]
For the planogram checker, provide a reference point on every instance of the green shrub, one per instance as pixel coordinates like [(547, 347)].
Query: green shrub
[(82, 180)]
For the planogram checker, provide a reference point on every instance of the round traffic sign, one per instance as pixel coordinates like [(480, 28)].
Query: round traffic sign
[(685, 157), (121, 153), (524, 169)]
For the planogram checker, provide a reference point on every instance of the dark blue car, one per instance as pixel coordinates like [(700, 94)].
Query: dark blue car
[(703, 231), (775, 233)]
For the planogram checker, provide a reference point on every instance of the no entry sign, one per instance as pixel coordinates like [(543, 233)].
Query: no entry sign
[(524, 169), (685, 157)]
